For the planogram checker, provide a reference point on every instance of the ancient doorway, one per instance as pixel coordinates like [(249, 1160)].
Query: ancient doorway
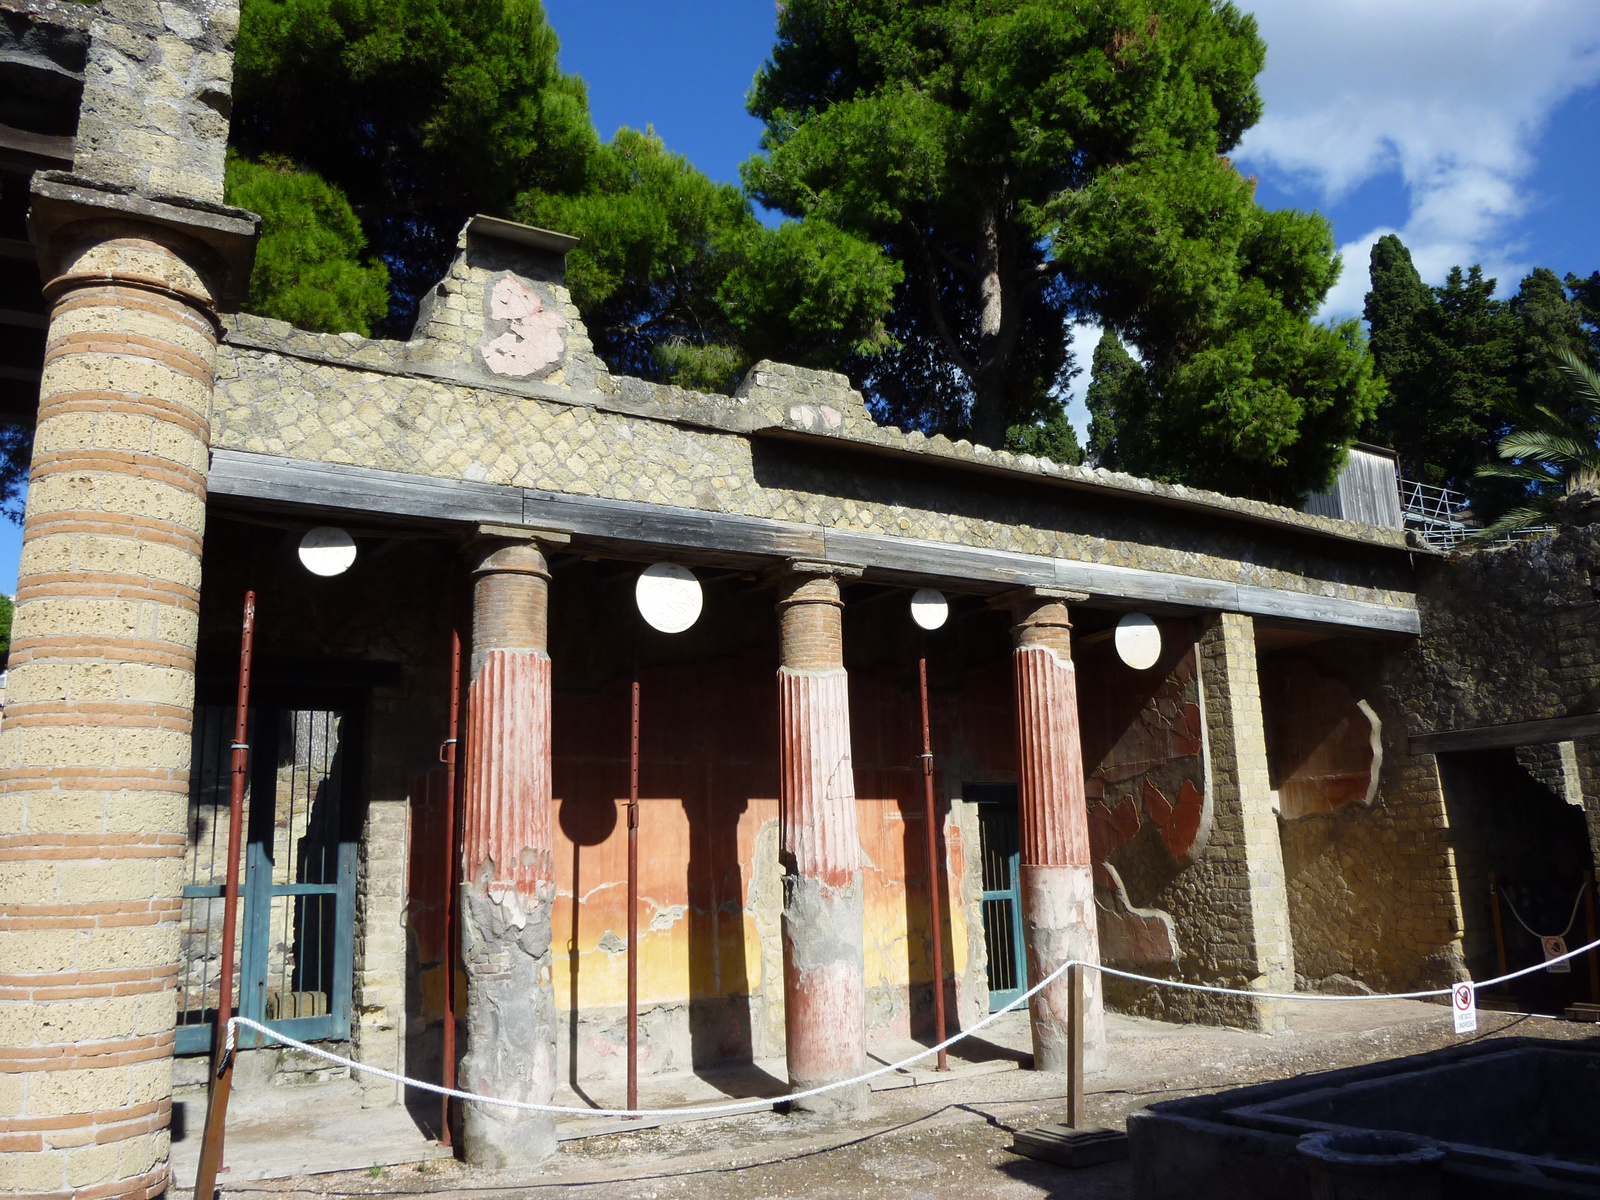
[(1523, 867), (295, 938), (1000, 849)]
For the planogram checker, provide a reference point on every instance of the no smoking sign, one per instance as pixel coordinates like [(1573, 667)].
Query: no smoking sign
[(1465, 1004)]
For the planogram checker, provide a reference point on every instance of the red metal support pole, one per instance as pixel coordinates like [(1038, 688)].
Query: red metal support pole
[(451, 747), (221, 1057), (633, 903), (933, 865)]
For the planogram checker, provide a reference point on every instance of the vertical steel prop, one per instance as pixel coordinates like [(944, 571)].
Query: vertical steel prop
[(1594, 955), (633, 901), (1075, 1006), (1499, 930), (449, 754), (933, 862), (222, 1054)]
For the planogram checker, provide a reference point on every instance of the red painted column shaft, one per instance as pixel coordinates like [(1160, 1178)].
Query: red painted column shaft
[(824, 997), (507, 843), (1058, 909)]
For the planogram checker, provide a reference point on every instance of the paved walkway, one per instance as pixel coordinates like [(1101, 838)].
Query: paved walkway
[(920, 1140)]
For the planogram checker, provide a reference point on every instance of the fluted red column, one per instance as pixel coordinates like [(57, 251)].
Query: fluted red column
[(1058, 909), (506, 868), (824, 996)]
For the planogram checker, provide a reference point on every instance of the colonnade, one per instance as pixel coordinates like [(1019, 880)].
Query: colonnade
[(508, 885)]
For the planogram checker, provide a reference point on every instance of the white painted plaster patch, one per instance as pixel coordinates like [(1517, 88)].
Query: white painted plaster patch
[(667, 917), (533, 339)]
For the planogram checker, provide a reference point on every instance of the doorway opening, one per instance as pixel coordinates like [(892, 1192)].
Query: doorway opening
[(1000, 850), (296, 925)]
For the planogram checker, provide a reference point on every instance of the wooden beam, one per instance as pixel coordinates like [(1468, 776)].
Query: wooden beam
[(341, 489), (35, 151), (1499, 737), (629, 525)]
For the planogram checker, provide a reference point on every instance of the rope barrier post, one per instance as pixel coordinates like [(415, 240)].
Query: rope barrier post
[(222, 1045), (1075, 1008), (205, 1179)]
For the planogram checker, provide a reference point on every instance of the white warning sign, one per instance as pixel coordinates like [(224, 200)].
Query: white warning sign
[(1465, 1003), (1556, 947)]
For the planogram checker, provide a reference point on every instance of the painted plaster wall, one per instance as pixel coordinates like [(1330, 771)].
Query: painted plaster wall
[(710, 957)]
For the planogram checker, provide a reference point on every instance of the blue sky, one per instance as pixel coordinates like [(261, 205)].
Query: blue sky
[(1471, 127)]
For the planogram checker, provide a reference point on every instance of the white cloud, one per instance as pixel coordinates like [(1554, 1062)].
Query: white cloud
[(1449, 93)]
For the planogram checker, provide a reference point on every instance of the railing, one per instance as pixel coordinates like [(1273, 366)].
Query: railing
[(1440, 518), (1443, 518)]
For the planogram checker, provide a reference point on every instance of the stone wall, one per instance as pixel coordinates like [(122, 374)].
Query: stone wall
[(158, 90), (792, 445), (1394, 896), (1372, 887), (391, 611)]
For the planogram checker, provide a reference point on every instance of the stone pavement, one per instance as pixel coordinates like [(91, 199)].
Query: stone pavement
[(949, 1139)]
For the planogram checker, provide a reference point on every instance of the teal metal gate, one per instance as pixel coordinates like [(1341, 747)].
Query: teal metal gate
[(999, 847), (298, 887)]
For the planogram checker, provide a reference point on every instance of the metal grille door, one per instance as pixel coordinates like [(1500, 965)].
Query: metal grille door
[(1002, 893), (297, 931)]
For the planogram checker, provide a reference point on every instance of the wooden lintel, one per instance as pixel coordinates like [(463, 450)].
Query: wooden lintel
[(733, 539), (1499, 737)]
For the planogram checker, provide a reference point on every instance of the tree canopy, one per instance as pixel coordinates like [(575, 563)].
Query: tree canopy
[(421, 112), (1032, 161), (1462, 366), (677, 279), (308, 269)]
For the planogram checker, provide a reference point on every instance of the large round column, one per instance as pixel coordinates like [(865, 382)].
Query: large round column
[(94, 753), (1058, 911), (824, 996), (507, 847)]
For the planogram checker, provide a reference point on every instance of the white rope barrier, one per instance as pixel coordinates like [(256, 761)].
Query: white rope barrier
[(235, 1023), (1571, 921)]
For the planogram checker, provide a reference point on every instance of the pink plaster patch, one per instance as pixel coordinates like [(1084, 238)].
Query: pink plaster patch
[(533, 340)]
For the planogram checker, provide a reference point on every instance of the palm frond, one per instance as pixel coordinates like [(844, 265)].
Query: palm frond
[(1564, 448), (1527, 472), (1585, 380), (1524, 517)]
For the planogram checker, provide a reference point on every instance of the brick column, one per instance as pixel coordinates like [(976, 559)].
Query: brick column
[(94, 753), (824, 996), (1058, 913), (507, 843), (1240, 906)]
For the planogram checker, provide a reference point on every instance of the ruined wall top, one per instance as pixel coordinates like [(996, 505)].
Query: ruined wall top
[(1511, 634), (157, 95)]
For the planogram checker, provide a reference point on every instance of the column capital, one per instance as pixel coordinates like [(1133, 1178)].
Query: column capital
[(513, 550), (1039, 616), (797, 571), (218, 242)]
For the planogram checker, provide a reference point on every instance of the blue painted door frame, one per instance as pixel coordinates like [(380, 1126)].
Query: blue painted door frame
[(317, 894), (1000, 853)]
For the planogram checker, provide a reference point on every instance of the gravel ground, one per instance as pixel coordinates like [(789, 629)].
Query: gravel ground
[(948, 1140)]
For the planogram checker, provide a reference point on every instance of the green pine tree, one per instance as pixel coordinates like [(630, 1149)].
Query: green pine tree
[(421, 112), (1116, 397), (308, 269), (8, 608), (677, 280), (1029, 162)]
